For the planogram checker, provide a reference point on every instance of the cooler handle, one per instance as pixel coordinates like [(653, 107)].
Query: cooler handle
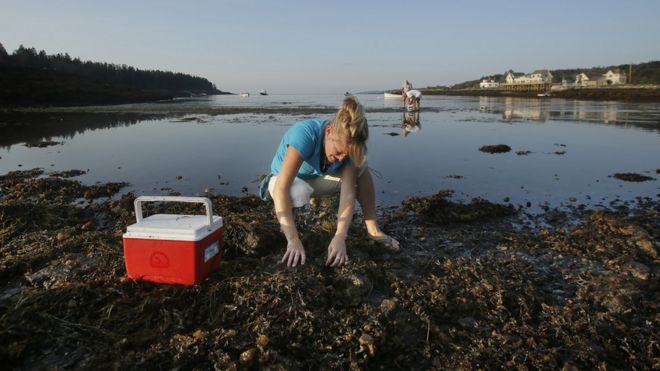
[(202, 200)]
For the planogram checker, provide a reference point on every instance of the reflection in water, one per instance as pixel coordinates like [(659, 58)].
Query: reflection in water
[(514, 108), (36, 127), (410, 123), (542, 109)]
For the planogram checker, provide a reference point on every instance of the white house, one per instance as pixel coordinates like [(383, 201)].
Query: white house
[(615, 76), (512, 77), (541, 76), (589, 80), (536, 77), (489, 83)]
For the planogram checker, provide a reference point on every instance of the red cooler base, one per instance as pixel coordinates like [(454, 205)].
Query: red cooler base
[(168, 261)]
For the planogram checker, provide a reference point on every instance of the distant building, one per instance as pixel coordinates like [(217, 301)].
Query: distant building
[(613, 76), (512, 77), (539, 80), (589, 80), (536, 77), (489, 83)]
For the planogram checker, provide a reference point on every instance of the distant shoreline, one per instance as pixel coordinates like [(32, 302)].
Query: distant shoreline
[(34, 88), (649, 93)]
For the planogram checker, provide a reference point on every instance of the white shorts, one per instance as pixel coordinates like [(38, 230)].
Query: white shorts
[(302, 190)]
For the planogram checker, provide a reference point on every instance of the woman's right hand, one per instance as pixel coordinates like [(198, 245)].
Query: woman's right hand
[(295, 253)]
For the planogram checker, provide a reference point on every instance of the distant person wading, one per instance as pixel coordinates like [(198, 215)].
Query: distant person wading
[(405, 88), (318, 158)]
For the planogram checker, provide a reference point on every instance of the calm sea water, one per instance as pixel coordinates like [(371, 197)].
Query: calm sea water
[(572, 148)]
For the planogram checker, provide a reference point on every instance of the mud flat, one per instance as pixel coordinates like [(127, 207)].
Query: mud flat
[(477, 285)]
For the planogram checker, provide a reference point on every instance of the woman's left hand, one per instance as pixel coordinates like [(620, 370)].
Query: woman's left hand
[(337, 252)]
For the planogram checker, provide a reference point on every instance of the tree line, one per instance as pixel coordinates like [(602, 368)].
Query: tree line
[(116, 74)]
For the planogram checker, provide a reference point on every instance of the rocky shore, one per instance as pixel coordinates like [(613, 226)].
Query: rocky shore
[(630, 94), (476, 285)]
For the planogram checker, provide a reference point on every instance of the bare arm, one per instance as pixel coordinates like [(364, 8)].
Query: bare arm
[(346, 200), (337, 249), (284, 207)]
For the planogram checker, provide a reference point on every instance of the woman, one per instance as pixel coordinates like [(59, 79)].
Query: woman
[(320, 157), (405, 88), (412, 100)]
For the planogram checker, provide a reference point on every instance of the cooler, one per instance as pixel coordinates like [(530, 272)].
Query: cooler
[(170, 248)]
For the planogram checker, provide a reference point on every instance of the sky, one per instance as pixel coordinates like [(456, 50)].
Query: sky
[(333, 46)]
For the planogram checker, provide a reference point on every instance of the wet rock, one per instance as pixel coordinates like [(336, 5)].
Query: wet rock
[(632, 177), (497, 148)]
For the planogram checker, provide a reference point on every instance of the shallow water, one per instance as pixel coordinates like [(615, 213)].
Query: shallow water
[(574, 147)]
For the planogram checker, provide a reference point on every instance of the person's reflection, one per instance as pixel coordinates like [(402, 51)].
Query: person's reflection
[(410, 123)]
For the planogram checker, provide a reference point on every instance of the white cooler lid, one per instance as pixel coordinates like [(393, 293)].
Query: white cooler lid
[(174, 227)]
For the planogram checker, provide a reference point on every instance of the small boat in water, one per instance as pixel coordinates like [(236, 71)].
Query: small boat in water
[(244, 95), (389, 95), (263, 92), (543, 95)]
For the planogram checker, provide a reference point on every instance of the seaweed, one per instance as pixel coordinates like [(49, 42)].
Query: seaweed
[(468, 290)]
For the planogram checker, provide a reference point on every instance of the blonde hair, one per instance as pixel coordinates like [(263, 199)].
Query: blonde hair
[(351, 124)]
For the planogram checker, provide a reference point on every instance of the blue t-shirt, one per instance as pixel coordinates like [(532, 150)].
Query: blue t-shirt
[(307, 137)]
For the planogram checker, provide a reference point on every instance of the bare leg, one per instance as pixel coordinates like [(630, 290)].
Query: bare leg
[(367, 198)]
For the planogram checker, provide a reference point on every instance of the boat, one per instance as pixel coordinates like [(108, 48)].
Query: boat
[(391, 95), (347, 94), (543, 95), (245, 95), (263, 92)]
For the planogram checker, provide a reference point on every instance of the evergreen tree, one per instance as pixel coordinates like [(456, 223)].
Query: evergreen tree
[(3, 53), (116, 74)]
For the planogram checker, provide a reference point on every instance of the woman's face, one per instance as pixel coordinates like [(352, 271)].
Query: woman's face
[(335, 149)]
